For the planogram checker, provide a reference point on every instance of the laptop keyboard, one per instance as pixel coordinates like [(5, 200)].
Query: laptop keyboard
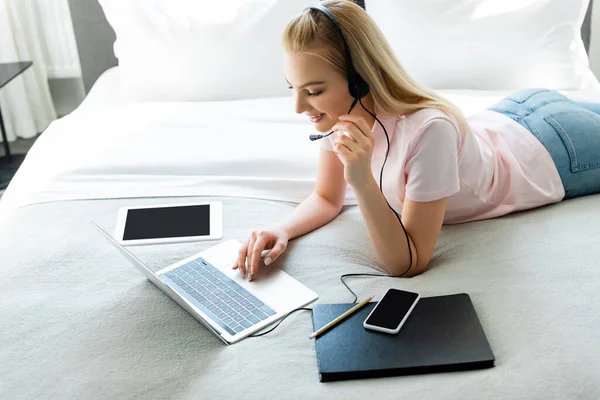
[(218, 296)]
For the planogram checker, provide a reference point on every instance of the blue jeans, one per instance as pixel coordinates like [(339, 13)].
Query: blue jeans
[(569, 130)]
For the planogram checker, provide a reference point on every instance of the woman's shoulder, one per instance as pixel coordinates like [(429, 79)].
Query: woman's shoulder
[(424, 116), (419, 121)]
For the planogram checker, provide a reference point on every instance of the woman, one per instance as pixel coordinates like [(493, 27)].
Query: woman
[(533, 148)]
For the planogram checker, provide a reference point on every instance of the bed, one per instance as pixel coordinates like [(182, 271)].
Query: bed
[(79, 321)]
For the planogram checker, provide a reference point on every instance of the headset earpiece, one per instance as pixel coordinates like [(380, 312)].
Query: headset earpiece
[(360, 89)]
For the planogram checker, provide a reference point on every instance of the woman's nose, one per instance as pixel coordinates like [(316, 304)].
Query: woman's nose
[(301, 106)]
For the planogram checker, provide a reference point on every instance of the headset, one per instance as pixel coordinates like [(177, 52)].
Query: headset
[(358, 88)]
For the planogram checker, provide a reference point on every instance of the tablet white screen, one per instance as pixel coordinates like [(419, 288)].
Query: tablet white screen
[(167, 222)]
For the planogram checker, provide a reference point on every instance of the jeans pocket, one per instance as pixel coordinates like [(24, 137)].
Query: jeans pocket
[(580, 132)]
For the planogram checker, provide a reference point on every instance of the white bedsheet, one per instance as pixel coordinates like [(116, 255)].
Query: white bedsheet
[(109, 148), (255, 148)]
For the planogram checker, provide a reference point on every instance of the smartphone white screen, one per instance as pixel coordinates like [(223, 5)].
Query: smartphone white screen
[(392, 308), (167, 222)]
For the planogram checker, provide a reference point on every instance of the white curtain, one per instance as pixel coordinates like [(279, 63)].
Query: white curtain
[(26, 104)]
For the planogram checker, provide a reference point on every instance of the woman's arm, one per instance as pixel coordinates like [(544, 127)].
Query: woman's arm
[(325, 203), (322, 206), (422, 220)]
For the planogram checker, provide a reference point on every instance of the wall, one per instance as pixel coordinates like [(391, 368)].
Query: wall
[(595, 40), (67, 94)]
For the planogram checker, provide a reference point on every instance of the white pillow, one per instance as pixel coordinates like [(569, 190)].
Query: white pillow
[(196, 50), (488, 44)]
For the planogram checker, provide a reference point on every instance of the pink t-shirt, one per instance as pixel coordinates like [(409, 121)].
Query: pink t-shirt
[(496, 168)]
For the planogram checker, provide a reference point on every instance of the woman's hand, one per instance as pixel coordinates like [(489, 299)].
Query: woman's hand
[(274, 239), (354, 146)]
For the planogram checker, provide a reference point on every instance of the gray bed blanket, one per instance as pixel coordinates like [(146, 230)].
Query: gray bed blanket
[(79, 321)]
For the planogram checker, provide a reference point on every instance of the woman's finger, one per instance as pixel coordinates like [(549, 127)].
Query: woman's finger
[(259, 246), (349, 143), (249, 252), (342, 151), (359, 122), (352, 131), (241, 260), (275, 252)]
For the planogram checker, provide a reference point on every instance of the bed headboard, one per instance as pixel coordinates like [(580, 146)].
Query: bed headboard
[(95, 38), (586, 27)]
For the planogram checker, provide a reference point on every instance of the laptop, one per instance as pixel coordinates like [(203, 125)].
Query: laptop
[(230, 307)]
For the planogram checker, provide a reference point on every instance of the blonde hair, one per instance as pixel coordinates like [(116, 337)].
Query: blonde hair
[(393, 90)]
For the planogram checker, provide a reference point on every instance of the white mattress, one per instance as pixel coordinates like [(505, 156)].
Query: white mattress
[(77, 320), (113, 148)]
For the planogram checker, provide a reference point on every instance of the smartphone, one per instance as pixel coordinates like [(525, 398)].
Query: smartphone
[(169, 223), (391, 311)]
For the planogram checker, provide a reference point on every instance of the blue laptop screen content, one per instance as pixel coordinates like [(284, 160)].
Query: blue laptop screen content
[(167, 222)]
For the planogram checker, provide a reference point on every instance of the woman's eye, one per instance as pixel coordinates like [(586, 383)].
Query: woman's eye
[(309, 93)]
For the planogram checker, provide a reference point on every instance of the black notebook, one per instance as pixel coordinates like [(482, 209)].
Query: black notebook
[(442, 334)]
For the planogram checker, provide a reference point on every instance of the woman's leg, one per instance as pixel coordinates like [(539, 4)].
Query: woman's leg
[(594, 107), (570, 131)]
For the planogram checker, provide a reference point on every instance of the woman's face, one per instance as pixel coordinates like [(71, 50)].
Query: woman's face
[(320, 92)]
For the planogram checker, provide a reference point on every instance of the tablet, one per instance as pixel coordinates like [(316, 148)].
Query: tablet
[(169, 223)]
